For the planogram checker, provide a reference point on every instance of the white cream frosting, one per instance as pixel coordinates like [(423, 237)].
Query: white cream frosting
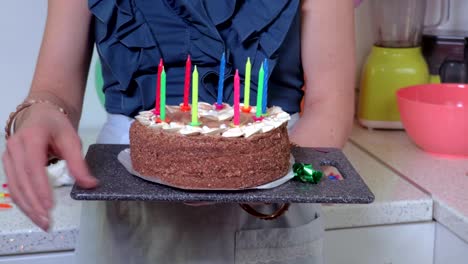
[(252, 129), (275, 118), (233, 132), (156, 125), (189, 130), (172, 127), (210, 112), (213, 131)]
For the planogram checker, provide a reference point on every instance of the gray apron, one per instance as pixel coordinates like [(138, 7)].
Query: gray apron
[(127, 232)]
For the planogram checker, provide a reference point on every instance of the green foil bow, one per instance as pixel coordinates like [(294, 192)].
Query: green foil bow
[(305, 173)]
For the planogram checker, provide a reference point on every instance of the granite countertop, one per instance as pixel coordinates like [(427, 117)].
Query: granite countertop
[(445, 179), (19, 235), (396, 201)]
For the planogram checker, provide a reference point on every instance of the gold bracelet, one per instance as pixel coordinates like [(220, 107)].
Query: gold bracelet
[(11, 119)]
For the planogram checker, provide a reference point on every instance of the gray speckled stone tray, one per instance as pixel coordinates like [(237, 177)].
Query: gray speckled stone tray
[(117, 184)]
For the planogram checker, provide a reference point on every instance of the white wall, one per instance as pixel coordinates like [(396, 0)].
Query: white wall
[(21, 26)]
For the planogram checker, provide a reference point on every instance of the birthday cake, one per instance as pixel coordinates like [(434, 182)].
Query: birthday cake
[(214, 154), (204, 146)]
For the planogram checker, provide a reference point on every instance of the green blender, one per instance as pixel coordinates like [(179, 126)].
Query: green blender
[(395, 61)]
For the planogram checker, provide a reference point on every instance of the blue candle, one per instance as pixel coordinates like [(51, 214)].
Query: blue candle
[(222, 66), (265, 87)]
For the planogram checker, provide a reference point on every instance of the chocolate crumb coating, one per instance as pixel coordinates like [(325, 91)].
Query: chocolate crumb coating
[(207, 161)]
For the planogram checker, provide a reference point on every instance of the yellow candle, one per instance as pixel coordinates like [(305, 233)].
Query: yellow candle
[(248, 69), (195, 98)]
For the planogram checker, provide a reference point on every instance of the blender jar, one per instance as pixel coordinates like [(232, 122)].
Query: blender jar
[(400, 23)]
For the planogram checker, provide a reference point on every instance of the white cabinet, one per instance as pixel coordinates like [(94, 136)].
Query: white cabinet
[(46, 258), (449, 248), (390, 244)]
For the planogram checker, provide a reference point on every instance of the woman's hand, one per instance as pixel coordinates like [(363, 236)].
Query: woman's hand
[(42, 130), (60, 77)]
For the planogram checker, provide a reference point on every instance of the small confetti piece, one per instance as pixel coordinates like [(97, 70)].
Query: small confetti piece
[(5, 185), (332, 177), (4, 195), (5, 206)]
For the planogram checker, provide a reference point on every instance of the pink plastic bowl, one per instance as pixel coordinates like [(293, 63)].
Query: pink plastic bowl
[(435, 116)]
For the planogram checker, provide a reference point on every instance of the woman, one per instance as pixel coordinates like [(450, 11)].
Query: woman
[(311, 38)]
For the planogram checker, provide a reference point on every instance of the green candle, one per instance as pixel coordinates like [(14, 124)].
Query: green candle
[(261, 76), (248, 68), (195, 98), (162, 110)]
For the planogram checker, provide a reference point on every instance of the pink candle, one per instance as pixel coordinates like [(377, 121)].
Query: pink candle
[(157, 104), (236, 99)]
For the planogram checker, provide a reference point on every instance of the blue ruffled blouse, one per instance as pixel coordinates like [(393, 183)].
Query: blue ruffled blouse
[(132, 35)]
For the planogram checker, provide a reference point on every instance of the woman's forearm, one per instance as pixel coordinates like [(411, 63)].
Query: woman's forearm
[(64, 57), (329, 68)]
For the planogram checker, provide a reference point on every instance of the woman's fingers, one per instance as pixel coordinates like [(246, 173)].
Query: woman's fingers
[(69, 147), (25, 176), (18, 194), (13, 186), (26, 155), (35, 152), (25, 159)]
